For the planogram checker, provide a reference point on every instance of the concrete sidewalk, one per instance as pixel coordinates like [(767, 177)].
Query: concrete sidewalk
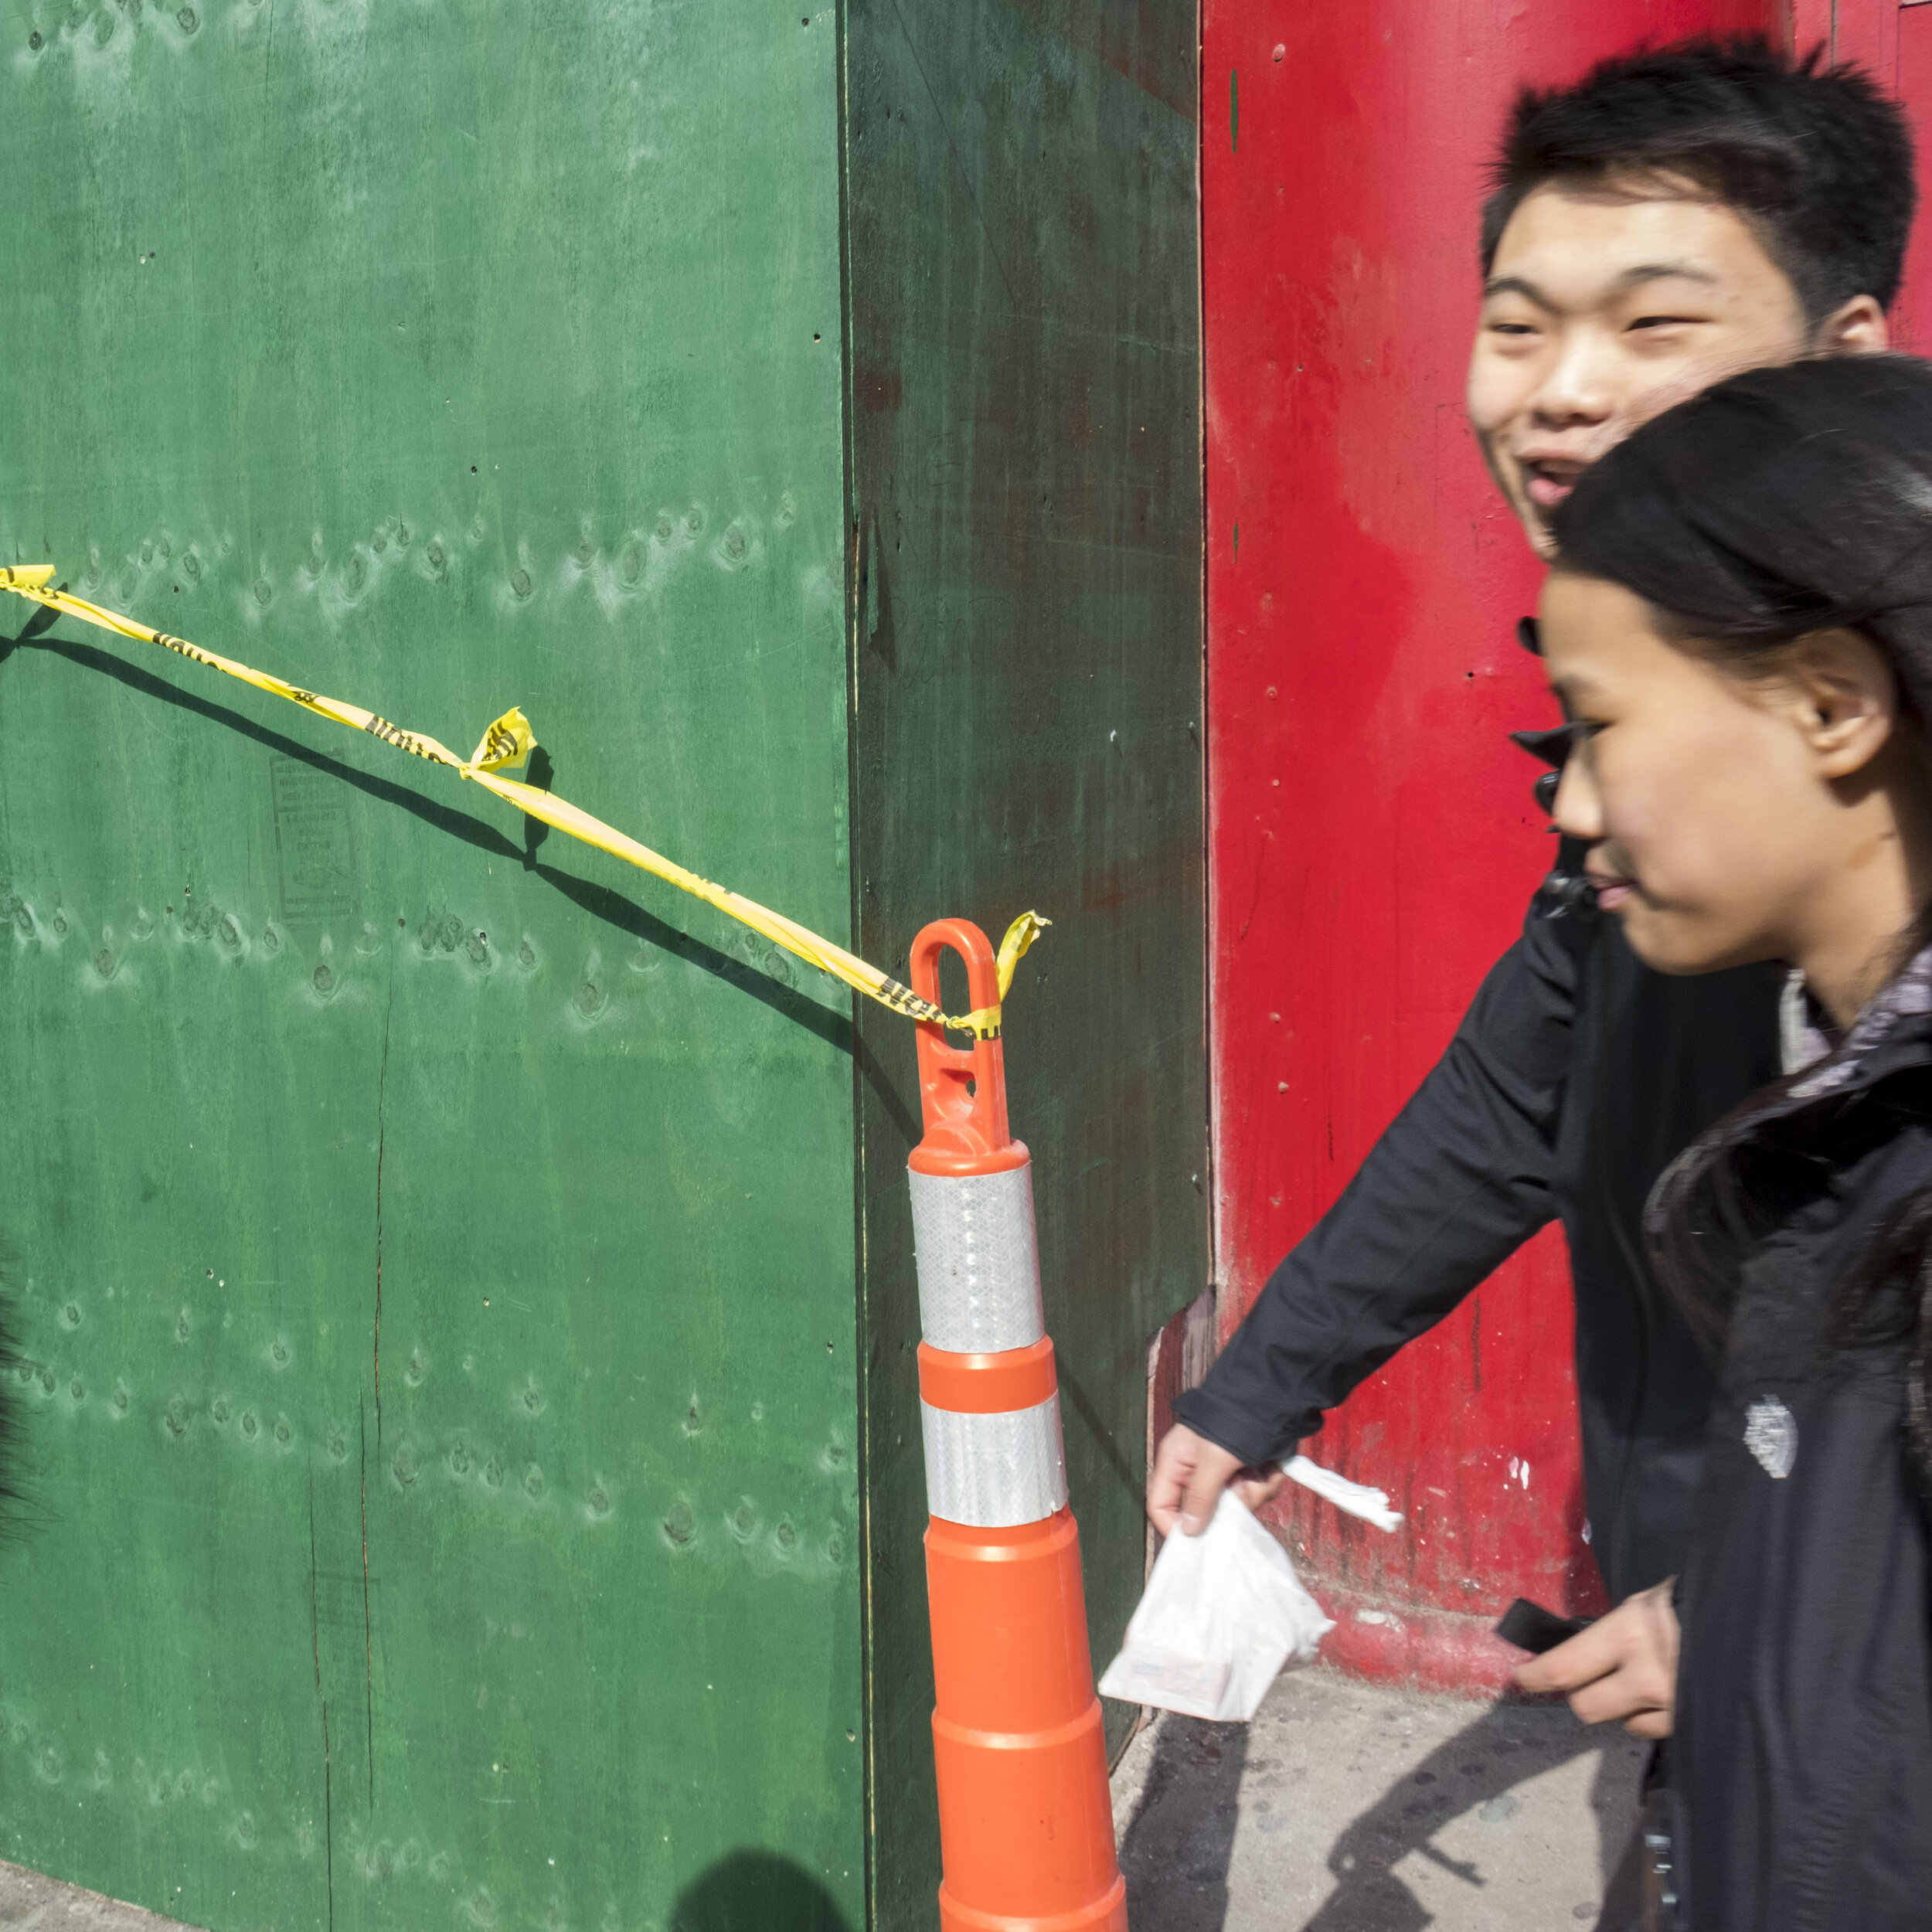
[(1341, 1808), (29, 1903), (1344, 1807)]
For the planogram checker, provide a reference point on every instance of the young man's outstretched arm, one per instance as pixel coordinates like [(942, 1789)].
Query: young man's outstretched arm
[(1462, 1177)]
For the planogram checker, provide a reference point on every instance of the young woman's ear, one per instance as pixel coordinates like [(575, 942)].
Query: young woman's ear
[(1848, 700)]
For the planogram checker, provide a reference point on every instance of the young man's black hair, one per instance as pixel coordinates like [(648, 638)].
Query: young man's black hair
[(1817, 158)]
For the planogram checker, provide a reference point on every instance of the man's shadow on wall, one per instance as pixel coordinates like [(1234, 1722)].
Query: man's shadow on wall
[(755, 1892), (1177, 1847)]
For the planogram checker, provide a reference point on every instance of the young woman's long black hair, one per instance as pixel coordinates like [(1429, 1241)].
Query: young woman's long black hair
[(1781, 503)]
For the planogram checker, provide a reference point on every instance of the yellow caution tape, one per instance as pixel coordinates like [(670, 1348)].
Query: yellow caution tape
[(507, 743)]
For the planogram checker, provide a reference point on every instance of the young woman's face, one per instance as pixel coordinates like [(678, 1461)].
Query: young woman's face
[(1711, 832)]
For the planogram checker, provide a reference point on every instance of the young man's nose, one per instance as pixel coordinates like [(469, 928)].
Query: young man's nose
[(1576, 387)]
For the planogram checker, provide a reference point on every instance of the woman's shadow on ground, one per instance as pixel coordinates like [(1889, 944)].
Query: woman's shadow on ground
[(1206, 1779)]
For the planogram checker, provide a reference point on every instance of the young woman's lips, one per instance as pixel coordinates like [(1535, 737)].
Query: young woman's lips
[(1611, 891)]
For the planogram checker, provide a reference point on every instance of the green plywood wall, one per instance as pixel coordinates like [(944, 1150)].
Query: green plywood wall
[(466, 1289), (436, 1270), (1027, 662)]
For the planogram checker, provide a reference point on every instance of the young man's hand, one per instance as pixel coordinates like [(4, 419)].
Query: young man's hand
[(1188, 1474), (1624, 1666)]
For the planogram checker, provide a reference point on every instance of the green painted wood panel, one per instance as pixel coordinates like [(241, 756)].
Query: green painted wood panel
[(435, 1247), (1027, 686)]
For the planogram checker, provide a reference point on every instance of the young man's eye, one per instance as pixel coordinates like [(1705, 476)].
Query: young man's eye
[(1664, 321), (1517, 329)]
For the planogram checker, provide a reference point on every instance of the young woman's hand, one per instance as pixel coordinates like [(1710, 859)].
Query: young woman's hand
[(1188, 1474), (1625, 1666)]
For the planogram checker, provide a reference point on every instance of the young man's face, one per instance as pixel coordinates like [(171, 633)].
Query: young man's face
[(1603, 308)]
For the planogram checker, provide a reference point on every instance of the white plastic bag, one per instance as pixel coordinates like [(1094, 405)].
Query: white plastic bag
[(1224, 1613)]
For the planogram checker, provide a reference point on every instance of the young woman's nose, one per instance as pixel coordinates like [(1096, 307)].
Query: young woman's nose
[(1579, 812)]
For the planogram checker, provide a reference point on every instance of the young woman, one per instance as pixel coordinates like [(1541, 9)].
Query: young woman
[(1739, 628)]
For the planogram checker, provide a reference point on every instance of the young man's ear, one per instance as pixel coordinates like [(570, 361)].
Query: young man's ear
[(1859, 327), (1848, 700)]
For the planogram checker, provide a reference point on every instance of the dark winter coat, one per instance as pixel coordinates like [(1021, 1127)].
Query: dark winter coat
[(1575, 1078), (1802, 1760)]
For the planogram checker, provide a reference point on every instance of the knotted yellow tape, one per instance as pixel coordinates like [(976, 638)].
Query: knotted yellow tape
[(508, 742)]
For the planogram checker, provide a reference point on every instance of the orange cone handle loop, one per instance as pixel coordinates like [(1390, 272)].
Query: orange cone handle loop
[(962, 1090), (1026, 1818)]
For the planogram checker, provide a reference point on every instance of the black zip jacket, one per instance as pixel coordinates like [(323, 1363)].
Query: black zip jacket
[(1802, 1761), (1575, 1079)]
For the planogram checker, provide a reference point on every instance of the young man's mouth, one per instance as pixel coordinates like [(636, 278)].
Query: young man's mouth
[(1548, 480)]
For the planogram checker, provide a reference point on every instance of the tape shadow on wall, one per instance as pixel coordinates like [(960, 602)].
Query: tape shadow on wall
[(602, 902)]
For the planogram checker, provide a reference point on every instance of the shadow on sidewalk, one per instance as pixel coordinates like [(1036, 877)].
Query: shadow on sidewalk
[(1175, 1851), (1510, 1743), (1178, 1846)]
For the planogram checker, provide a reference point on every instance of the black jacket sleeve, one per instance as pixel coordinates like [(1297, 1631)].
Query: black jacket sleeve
[(1460, 1180)]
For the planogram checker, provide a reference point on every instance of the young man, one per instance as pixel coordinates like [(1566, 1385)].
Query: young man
[(1677, 217)]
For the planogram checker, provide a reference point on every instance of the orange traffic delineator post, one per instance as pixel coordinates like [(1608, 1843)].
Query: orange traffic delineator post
[(1026, 1818)]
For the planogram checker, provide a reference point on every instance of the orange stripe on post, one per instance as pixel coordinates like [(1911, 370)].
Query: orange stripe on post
[(988, 1385)]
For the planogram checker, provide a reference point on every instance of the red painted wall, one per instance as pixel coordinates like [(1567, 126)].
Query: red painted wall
[(1373, 844), (1911, 79), (1894, 43)]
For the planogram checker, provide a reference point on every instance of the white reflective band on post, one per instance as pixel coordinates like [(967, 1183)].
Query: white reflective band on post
[(996, 1472), (978, 1264)]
